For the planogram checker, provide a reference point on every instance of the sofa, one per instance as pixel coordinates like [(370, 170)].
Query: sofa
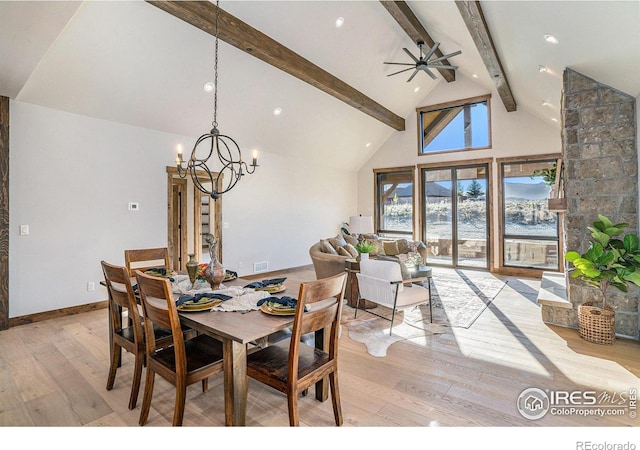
[(329, 255)]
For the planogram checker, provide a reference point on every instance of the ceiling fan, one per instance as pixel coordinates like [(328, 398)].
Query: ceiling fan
[(424, 63)]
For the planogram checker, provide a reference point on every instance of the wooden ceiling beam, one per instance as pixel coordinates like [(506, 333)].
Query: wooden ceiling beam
[(411, 25), (233, 31), (471, 12)]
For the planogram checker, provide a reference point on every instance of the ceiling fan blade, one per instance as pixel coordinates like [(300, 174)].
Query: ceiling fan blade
[(409, 53), (413, 75), (401, 64), (445, 56), (438, 66), (430, 73), (400, 71), (431, 51)]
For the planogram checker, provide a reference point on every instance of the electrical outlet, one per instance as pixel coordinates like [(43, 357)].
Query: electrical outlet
[(91, 286)]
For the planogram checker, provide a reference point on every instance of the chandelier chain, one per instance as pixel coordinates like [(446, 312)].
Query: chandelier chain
[(215, 69)]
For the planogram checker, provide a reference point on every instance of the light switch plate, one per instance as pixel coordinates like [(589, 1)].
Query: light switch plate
[(24, 230)]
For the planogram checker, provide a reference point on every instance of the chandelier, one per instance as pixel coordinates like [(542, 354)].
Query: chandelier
[(215, 150)]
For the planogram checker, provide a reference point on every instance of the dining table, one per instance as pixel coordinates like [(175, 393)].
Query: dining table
[(240, 332)]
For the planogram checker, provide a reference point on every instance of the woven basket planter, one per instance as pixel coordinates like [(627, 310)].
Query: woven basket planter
[(597, 325)]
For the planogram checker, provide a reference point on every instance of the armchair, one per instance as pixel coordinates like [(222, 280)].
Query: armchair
[(381, 282)]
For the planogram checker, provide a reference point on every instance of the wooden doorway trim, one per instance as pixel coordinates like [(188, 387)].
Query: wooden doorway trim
[(176, 219), (215, 217), (195, 226), (4, 213)]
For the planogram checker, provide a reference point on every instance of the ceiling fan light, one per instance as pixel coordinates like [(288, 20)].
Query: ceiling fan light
[(339, 22)]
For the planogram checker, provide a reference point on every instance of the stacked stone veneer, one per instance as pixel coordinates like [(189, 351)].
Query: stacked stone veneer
[(601, 177)]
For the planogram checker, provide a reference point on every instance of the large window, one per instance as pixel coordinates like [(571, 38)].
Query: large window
[(455, 215), (394, 202), (529, 230), (462, 125)]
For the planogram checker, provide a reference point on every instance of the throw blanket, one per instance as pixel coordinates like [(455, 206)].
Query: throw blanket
[(242, 299), (181, 285)]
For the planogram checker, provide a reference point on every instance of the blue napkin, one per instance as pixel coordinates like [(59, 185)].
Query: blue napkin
[(196, 298), (263, 283), (285, 300)]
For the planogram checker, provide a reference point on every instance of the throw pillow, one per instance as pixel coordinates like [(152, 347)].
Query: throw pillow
[(343, 252), (390, 248), (403, 246), (378, 247), (352, 250), (326, 247), (350, 239), (337, 242)]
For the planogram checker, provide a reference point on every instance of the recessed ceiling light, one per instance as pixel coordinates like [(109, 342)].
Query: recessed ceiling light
[(550, 38), (208, 86), (542, 68), (474, 75), (339, 22), (416, 89), (277, 111), (368, 144), (553, 119), (545, 103)]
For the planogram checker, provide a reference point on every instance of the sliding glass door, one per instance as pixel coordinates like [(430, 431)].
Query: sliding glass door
[(456, 215)]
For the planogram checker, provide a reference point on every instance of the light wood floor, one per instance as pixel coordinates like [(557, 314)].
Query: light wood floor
[(53, 373)]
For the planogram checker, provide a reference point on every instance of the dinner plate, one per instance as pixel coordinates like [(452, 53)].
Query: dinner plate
[(273, 289), (153, 273), (277, 311), (200, 306)]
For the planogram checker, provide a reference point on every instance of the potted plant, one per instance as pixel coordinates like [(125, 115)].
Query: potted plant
[(611, 260), (364, 248), (556, 202)]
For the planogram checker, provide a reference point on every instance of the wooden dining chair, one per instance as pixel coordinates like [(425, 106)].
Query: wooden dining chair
[(292, 366), (184, 363), (146, 258), (125, 327)]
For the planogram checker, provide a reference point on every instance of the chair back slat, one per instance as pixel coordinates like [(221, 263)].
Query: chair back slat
[(120, 292), (146, 258), (159, 309), (324, 299)]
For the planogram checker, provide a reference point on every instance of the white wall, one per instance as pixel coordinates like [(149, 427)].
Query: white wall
[(513, 134), (71, 178)]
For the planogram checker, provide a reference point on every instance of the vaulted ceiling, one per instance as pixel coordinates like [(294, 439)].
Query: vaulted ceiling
[(132, 62)]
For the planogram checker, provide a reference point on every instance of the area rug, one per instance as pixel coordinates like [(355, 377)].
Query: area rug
[(463, 294), (371, 327), (459, 297)]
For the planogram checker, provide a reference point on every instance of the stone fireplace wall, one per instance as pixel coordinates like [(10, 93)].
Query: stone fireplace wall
[(601, 177)]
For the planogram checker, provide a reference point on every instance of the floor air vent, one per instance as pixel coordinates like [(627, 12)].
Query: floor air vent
[(260, 266)]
